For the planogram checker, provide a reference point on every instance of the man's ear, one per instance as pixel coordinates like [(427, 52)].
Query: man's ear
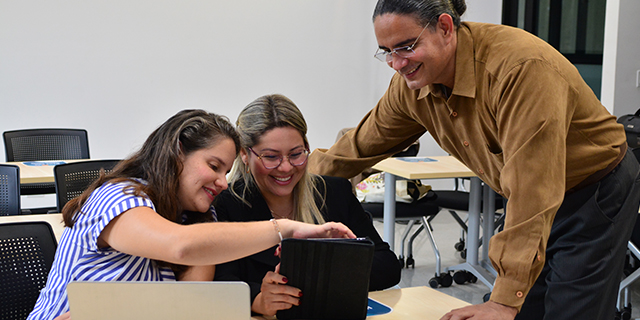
[(445, 25)]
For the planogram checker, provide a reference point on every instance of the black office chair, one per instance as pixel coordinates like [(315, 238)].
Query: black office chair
[(632, 270), (419, 212), (71, 179), (9, 190), (43, 145), (26, 255)]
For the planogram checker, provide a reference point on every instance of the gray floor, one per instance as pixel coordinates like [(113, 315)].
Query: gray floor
[(447, 233)]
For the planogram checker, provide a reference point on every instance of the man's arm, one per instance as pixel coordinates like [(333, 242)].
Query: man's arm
[(384, 131)]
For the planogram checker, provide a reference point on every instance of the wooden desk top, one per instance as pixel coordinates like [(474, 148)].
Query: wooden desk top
[(54, 219), (415, 303), (443, 167), (38, 174), (421, 303)]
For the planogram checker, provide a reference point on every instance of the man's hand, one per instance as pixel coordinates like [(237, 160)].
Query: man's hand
[(487, 311)]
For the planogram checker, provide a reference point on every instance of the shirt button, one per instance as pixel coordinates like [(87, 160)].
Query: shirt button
[(539, 258), (519, 294), (481, 171), (455, 114), (466, 143)]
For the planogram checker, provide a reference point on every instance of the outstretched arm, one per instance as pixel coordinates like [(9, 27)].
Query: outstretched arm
[(142, 232)]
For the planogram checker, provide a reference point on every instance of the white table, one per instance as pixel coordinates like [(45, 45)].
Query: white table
[(445, 167)]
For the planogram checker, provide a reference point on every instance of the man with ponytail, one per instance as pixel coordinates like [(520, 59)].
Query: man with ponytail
[(517, 113)]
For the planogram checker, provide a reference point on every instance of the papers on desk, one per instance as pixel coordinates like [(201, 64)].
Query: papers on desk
[(416, 159), (376, 308), (43, 163)]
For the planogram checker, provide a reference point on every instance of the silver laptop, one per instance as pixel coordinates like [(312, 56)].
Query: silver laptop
[(159, 300)]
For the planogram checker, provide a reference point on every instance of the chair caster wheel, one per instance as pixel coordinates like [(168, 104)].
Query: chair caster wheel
[(459, 246), (410, 262), (463, 254), (462, 276), (444, 279), (625, 314), (434, 282), (401, 261)]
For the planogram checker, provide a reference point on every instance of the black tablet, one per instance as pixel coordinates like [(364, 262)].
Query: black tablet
[(333, 275)]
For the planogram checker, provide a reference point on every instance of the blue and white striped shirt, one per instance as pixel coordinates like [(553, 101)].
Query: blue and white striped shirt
[(78, 257)]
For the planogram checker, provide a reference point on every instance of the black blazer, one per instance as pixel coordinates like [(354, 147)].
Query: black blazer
[(341, 205)]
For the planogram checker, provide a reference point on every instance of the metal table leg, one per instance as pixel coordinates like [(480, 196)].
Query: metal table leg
[(473, 237), (389, 210)]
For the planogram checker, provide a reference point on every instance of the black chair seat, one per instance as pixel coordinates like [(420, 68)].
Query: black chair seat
[(459, 200), (404, 210)]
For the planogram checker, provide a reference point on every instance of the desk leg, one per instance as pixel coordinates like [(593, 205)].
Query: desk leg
[(389, 210), (473, 230), (488, 226), (473, 237)]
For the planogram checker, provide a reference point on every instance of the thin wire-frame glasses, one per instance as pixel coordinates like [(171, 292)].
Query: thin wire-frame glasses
[(402, 52), (296, 159)]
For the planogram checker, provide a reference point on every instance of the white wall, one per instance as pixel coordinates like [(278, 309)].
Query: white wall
[(120, 68), (621, 62)]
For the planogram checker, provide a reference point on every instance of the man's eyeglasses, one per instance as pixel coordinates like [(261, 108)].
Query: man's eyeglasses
[(402, 52), (273, 160)]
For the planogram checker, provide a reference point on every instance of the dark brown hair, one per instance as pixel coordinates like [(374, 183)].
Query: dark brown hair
[(158, 161)]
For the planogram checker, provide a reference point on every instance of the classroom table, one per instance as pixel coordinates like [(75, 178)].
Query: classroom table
[(410, 303), (445, 167), (39, 171), (407, 303)]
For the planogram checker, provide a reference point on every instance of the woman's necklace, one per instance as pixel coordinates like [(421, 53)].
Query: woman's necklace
[(277, 216)]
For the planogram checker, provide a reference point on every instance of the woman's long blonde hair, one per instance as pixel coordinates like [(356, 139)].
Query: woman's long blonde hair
[(260, 116)]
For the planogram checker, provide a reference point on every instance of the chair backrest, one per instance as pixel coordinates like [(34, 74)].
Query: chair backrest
[(26, 255), (46, 144), (72, 179), (9, 190)]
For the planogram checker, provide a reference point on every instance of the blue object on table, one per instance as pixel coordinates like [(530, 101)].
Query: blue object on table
[(43, 163), (416, 159), (376, 308)]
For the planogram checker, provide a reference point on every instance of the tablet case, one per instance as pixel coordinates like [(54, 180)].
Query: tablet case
[(333, 275)]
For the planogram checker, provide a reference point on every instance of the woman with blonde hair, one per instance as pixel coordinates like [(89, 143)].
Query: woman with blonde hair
[(270, 181)]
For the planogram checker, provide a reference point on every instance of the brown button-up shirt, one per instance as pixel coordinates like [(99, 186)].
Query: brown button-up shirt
[(520, 116)]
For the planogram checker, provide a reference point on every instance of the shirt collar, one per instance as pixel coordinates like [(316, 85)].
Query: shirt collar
[(464, 83)]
